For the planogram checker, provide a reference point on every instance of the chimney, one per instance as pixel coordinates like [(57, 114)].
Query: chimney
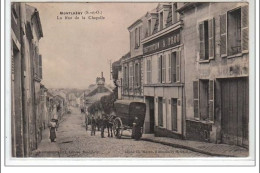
[(102, 74)]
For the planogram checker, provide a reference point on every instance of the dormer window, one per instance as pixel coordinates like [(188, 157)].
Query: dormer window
[(137, 37), (149, 27), (161, 20)]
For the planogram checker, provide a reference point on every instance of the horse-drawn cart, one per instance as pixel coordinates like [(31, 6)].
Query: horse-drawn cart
[(129, 116)]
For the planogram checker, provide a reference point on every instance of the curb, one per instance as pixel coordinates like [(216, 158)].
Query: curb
[(188, 148)]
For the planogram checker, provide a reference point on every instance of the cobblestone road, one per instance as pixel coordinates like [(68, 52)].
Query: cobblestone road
[(75, 141)]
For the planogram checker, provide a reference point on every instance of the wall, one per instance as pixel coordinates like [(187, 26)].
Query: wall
[(216, 68)]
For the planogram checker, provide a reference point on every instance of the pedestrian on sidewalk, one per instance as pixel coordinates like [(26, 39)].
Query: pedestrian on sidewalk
[(93, 126), (55, 119), (52, 127)]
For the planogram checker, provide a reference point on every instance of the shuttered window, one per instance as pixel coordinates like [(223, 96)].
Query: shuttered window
[(211, 27), (206, 39), (173, 66), (203, 99), (169, 68), (149, 71), (136, 77), (244, 28), (202, 40), (131, 76), (178, 66), (234, 32), (40, 66), (223, 35), (211, 100), (160, 69), (196, 98), (163, 68)]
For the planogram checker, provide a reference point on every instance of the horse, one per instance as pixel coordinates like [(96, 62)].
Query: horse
[(108, 122)]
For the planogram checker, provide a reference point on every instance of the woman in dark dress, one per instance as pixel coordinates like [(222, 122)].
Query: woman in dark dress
[(52, 130)]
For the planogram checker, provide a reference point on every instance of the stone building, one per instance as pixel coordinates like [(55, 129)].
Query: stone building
[(26, 75), (163, 71), (132, 86), (215, 37)]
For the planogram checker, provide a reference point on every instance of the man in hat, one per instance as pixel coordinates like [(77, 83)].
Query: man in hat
[(103, 125), (93, 126)]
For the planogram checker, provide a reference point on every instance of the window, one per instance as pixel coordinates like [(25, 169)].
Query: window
[(137, 75), (149, 71), (169, 68), (175, 14), (160, 111), (160, 69), (234, 32), (40, 66), (174, 114), (203, 99), (161, 20), (206, 37), (149, 27), (131, 76), (125, 78), (163, 68), (174, 69), (137, 37)]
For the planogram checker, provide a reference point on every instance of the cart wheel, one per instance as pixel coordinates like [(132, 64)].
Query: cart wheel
[(117, 125)]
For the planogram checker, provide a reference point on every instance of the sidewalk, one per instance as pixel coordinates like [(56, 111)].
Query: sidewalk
[(201, 147), (46, 148)]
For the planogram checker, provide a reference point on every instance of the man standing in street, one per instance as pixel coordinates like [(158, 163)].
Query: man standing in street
[(93, 126), (103, 125)]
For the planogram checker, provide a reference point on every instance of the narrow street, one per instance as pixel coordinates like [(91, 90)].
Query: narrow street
[(75, 141)]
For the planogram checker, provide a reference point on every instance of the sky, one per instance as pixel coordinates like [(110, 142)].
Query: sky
[(75, 52)]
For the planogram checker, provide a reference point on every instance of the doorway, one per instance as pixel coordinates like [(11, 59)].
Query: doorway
[(234, 111)]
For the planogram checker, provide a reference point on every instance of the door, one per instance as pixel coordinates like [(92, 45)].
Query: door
[(234, 111), (160, 112), (151, 107), (174, 114)]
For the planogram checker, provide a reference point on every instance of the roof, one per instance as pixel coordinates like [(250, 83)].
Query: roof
[(32, 11)]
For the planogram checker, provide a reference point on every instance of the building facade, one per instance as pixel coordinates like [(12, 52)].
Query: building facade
[(26, 75), (132, 65), (215, 37), (163, 71)]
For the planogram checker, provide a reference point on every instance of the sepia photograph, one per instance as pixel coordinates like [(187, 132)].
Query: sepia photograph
[(130, 80)]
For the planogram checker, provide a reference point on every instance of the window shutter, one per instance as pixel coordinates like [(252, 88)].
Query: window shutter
[(196, 98), (163, 68), (202, 40), (211, 100), (170, 68), (147, 70), (124, 75), (223, 35), (40, 66), (244, 28), (178, 65), (159, 69), (211, 27)]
